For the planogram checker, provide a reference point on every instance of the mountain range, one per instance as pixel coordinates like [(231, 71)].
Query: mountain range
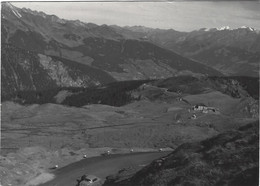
[(233, 52), (42, 51)]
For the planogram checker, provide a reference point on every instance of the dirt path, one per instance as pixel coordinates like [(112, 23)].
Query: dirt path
[(100, 166)]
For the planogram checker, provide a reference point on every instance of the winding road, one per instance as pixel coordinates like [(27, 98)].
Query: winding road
[(100, 166)]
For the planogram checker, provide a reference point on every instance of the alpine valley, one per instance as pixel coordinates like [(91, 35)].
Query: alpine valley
[(72, 90)]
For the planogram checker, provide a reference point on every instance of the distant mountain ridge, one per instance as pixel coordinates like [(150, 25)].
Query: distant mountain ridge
[(231, 51), (101, 48)]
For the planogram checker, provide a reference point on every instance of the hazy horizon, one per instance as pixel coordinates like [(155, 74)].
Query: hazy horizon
[(182, 16)]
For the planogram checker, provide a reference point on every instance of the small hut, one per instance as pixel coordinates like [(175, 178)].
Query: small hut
[(199, 107)]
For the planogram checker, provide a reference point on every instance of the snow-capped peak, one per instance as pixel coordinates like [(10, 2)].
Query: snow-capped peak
[(250, 28), (228, 28), (13, 9), (224, 28)]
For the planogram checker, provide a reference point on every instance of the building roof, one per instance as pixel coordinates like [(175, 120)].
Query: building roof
[(200, 104)]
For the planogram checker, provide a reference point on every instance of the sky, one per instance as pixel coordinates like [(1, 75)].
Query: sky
[(182, 16)]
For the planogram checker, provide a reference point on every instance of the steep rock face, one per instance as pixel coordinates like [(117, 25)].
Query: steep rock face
[(26, 70), (21, 70), (60, 73)]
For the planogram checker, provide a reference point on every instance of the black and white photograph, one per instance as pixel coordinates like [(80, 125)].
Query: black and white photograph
[(130, 93)]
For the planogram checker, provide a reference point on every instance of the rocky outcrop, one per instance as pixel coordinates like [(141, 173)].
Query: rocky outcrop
[(25, 70), (60, 73)]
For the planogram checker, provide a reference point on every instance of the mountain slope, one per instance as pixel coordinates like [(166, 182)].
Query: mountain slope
[(133, 59), (230, 158)]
